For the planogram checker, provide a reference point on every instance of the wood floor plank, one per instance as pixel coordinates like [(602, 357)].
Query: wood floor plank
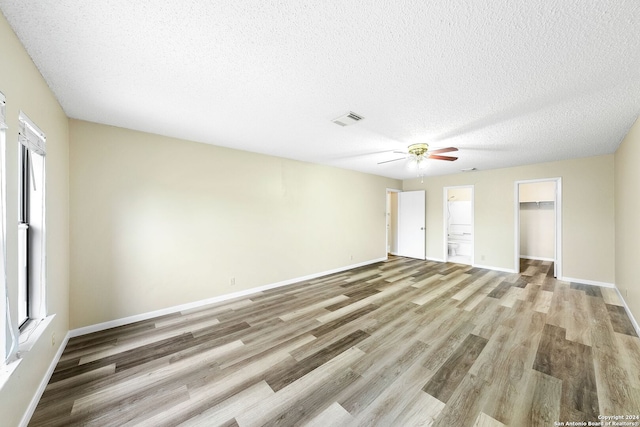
[(543, 301), (630, 346), (310, 308), (511, 371), (500, 290), (306, 397), (485, 420), (610, 296), (589, 290), (444, 343), (77, 381), (512, 296), (279, 379), (369, 389), (133, 385), (149, 338), (578, 325), (334, 415), (539, 404), (216, 389), (448, 377), (613, 384), (491, 315), (620, 321), (391, 402), (480, 294), (462, 410), (226, 410), (341, 321), (249, 354), (422, 410), (365, 302), (442, 289)]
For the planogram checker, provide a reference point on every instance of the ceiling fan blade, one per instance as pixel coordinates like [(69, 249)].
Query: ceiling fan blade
[(442, 150), (394, 160), (449, 158), (400, 152)]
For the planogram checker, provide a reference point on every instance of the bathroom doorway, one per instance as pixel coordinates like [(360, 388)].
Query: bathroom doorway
[(458, 224)]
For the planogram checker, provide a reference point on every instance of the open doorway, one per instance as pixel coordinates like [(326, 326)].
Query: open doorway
[(392, 222), (458, 224), (406, 213), (538, 223)]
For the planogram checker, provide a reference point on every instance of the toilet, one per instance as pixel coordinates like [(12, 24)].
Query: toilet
[(452, 248)]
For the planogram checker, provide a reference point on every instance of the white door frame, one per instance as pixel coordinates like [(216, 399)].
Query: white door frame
[(557, 263), (446, 225), (387, 214)]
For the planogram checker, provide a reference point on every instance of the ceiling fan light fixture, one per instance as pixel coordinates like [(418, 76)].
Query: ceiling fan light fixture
[(418, 150)]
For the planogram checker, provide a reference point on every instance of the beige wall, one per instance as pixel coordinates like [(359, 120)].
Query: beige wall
[(159, 222), (26, 90), (627, 191), (459, 194), (537, 191), (537, 230), (588, 214)]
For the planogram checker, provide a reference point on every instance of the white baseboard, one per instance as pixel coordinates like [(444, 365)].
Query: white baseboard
[(626, 307), (587, 282), (488, 267), (169, 310), (43, 384), (435, 259), (537, 258)]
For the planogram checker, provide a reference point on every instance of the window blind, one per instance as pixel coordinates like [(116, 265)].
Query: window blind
[(31, 136)]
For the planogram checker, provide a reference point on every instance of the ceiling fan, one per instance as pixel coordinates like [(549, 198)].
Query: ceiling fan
[(418, 154)]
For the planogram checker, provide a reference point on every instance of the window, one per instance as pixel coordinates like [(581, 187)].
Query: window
[(31, 226)]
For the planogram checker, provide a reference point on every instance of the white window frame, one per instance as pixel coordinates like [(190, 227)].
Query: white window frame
[(32, 142)]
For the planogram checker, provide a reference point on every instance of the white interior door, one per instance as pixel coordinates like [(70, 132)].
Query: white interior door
[(411, 224)]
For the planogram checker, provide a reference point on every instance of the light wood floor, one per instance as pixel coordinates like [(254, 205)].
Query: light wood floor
[(398, 343)]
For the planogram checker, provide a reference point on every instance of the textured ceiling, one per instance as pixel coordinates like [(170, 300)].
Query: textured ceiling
[(507, 82)]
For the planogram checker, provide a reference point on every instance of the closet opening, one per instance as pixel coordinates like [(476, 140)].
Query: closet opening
[(538, 224)]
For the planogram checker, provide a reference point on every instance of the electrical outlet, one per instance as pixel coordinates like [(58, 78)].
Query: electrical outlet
[(481, 257), (232, 281), (351, 257), (53, 339)]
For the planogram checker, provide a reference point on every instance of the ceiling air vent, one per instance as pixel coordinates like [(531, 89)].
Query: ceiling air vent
[(348, 119)]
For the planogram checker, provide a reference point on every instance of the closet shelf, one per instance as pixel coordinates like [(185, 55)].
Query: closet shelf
[(538, 203)]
